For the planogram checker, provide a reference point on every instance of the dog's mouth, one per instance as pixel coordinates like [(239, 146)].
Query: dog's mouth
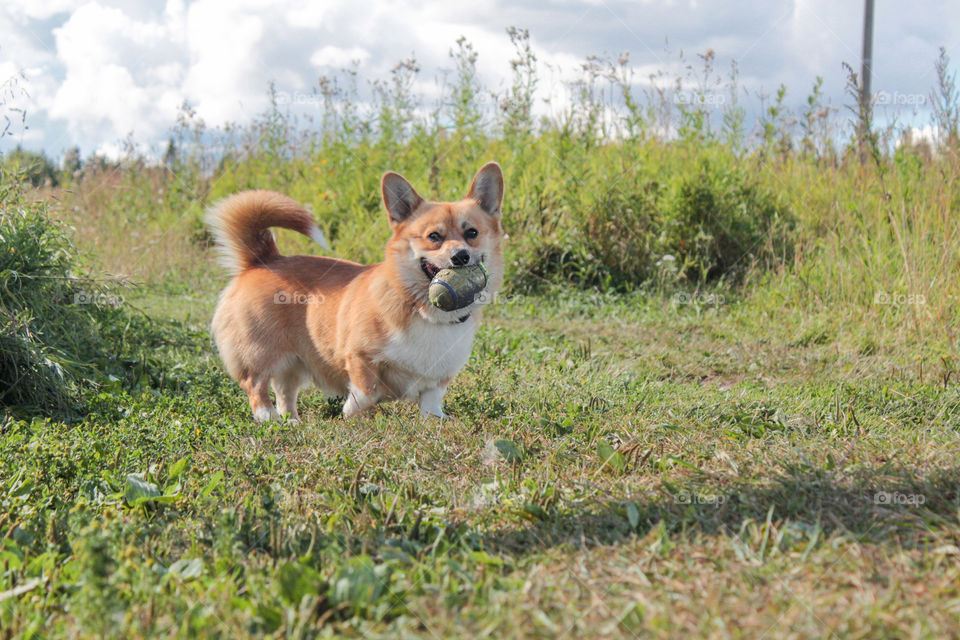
[(429, 269)]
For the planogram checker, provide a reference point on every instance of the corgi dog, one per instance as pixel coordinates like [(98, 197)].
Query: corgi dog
[(367, 333)]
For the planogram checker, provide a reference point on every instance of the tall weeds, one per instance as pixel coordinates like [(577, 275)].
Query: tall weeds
[(623, 188), (60, 333)]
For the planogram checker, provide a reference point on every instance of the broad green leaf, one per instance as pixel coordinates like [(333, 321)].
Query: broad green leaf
[(297, 580), (187, 569), (633, 515), (610, 457), (138, 490), (270, 618), (177, 469), (482, 557), (508, 450), (214, 481)]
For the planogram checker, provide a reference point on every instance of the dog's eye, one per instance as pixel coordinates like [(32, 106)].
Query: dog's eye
[(470, 234), (435, 237)]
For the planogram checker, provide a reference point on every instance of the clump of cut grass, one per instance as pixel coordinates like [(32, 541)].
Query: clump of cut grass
[(55, 325)]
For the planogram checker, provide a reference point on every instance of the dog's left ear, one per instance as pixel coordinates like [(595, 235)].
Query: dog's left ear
[(487, 188), (399, 197)]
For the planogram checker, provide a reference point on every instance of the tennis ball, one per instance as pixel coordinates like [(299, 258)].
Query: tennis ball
[(457, 287)]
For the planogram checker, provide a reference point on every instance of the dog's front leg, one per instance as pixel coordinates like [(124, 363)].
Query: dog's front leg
[(364, 391), (431, 402)]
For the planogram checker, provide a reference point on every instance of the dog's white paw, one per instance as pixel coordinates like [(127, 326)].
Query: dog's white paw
[(264, 414), (357, 402), (431, 403), (434, 412)]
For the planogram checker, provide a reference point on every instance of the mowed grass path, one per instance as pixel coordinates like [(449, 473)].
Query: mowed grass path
[(617, 467)]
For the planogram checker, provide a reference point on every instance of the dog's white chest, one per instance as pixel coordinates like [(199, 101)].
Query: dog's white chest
[(430, 352)]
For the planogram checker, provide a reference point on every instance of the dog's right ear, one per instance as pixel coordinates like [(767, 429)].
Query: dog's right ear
[(399, 197)]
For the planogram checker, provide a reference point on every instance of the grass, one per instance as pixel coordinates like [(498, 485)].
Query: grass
[(719, 398), (60, 332), (619, 466)]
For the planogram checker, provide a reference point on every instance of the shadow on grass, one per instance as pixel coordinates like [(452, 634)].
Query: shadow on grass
[(905, 505)]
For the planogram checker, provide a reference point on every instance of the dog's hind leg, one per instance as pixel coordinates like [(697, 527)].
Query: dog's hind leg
[(287, 385), (258, 390)]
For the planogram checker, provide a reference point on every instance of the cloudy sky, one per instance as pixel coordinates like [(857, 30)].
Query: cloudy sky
[(95, 72)]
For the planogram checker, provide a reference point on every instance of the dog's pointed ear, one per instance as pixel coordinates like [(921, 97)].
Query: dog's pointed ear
[(487, 188), (399, 197)]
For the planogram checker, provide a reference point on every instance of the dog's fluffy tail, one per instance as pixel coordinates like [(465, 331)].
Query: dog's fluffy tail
[(241, 227)]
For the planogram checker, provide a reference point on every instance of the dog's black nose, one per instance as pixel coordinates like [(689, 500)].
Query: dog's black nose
[(461, 258)]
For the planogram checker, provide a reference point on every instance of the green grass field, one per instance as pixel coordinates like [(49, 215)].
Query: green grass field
[(718, 399), (618, 466)]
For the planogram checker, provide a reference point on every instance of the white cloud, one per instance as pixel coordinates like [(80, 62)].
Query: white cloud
[(116, 70), (336, 57), (98, 69), (223, 41), (40, 10), (916, 135), (307, 14)]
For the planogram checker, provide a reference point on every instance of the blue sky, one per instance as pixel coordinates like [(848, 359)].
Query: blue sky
[(94, 73)]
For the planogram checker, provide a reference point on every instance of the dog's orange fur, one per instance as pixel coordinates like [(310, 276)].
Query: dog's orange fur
[(367, 333)]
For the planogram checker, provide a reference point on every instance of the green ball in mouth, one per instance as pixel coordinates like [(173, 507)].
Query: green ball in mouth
[(457, 287)]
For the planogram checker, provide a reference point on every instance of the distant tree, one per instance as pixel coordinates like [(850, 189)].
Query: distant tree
[(71, 161), (98, 163), (170, 155)]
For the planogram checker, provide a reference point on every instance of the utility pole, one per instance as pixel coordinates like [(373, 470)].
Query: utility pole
[(866, 64)]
